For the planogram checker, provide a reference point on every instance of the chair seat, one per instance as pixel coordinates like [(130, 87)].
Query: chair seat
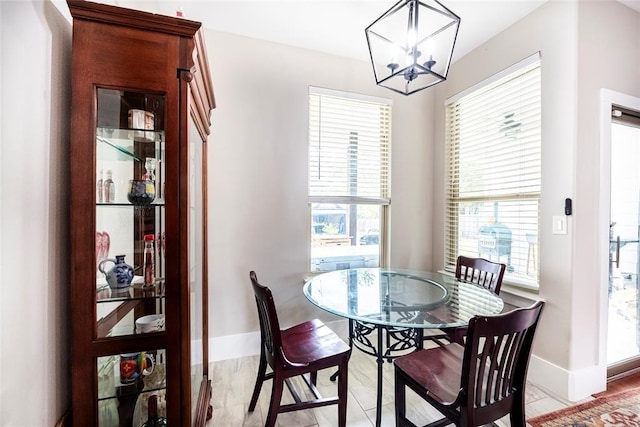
[(442, 378), (301, 350), (475, 384), (312, 342)]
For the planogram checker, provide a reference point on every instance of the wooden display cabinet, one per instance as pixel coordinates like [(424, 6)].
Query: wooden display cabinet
[(141, 104)]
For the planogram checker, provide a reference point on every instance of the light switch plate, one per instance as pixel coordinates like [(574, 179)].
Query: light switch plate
[(559, 225)]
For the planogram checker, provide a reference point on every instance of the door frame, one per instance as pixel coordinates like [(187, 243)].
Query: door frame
[(608, 98)]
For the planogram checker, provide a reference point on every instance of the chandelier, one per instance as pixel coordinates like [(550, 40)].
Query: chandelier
[(411, 45)]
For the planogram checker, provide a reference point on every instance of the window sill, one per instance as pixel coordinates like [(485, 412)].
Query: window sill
[(517, 296)]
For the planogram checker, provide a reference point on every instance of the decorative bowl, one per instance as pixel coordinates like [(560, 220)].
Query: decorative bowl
[(150, 323), (141, 192)]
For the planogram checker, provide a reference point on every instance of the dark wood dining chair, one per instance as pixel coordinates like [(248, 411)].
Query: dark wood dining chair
[(474, 384), (481, 272), (301, 350)]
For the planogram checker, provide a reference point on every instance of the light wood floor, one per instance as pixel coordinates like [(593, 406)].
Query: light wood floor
[(233, 382)]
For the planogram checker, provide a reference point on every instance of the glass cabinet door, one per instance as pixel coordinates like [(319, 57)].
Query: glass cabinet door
[(130, 253), (196, 264)]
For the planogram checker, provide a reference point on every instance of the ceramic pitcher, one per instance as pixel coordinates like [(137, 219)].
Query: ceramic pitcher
[(120, 275)]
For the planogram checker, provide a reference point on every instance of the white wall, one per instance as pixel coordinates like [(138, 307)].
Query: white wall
[(257, 190), (258, 182), (258, 175), (557, 45), (579, 53), (584, 45), (35, 45), (609, 57)]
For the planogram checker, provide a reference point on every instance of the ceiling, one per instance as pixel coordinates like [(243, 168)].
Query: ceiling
[(336, 26)]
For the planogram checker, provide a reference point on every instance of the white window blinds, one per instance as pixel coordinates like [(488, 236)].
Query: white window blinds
[(348, 147), (494, 172), (349, 139)]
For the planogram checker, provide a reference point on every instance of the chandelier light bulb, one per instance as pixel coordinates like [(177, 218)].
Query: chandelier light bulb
[(412, 38), (396, 52)]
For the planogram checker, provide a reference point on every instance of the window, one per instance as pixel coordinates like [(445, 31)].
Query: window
[(349, 138), (494, 172)]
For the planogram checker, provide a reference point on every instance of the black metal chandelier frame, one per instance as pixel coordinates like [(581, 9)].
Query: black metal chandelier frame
[(424, 33)]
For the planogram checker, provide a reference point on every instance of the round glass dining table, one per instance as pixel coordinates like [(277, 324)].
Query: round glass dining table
[(390, 309)]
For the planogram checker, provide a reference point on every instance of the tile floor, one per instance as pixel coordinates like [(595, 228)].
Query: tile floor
[(233, 382)]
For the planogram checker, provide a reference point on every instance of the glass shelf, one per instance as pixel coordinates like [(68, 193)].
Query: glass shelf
[(105, 294), (109, 380), (150, 205), (123, 140), (118, 147), (144, 386)]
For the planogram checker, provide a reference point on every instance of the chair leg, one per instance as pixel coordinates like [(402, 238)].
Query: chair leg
[(517, 415), (274, 405), (342, 395), (262, 369), (400, 400), (337, 372)]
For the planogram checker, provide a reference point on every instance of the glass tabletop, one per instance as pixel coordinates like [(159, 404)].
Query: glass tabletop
[(403, 298)]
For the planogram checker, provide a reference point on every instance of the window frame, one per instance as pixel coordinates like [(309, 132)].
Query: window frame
[(383, 199), (455, 181)]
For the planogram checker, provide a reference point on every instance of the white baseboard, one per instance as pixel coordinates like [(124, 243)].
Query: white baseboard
[(572, 386), (234, 346), (243, 345)]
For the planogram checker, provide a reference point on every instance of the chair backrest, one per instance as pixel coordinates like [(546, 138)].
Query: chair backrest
[(481, 272), (495, 363), (269, 325)]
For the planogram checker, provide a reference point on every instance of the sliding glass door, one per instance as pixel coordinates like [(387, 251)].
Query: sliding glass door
[(623, 348)]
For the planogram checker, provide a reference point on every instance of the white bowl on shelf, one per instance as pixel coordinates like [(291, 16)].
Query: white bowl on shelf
[(150, 323)]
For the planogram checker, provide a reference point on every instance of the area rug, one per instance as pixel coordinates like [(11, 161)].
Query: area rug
[(616, 410)]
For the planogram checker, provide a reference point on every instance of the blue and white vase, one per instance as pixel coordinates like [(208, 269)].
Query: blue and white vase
[(120, 275)]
